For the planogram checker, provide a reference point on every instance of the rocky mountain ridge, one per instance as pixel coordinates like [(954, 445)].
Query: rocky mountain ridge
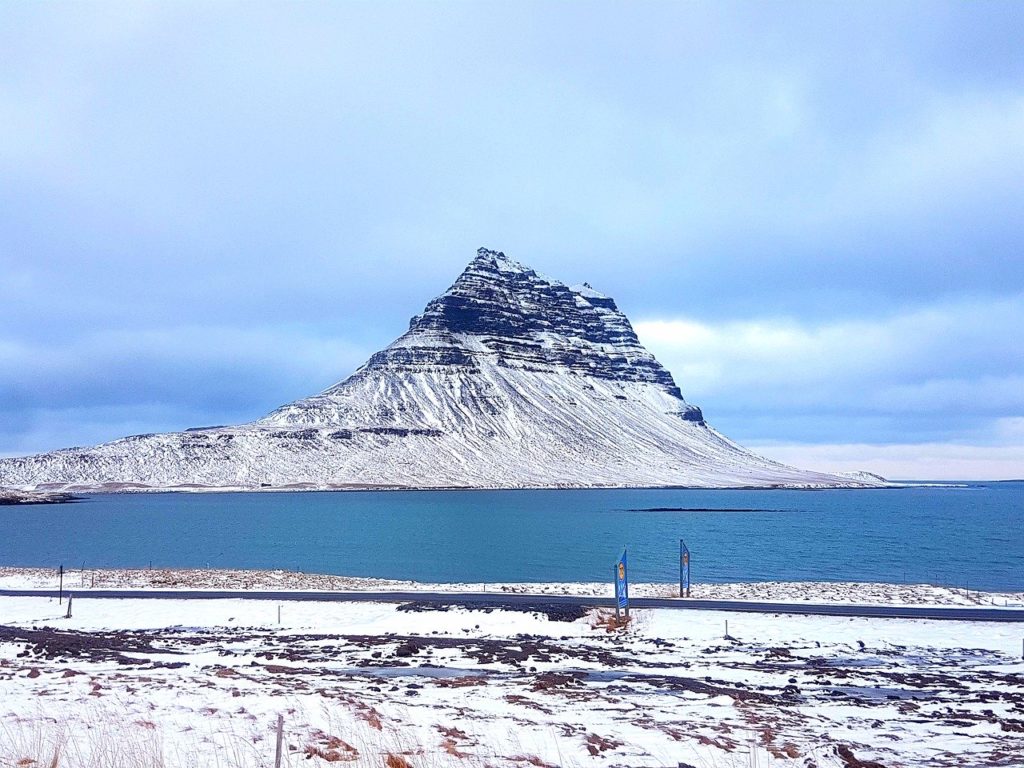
[(499, 312)]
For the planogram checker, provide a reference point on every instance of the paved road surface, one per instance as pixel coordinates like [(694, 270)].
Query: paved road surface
[(502, 599)]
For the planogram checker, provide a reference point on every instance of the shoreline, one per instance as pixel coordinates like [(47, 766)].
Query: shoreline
[(118, 488), (12, 498), (865, 593)]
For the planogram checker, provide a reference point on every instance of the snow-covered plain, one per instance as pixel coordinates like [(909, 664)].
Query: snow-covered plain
[(507, 380), (201, 683), (862, 593)]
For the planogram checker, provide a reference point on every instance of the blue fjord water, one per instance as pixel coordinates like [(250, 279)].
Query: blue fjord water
[(962, 536)]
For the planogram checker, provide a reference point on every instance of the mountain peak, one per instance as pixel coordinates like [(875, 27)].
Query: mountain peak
[(496, 261), (501, 312), (487, 253)]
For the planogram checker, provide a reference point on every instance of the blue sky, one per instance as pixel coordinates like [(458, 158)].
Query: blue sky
[(811, 212)]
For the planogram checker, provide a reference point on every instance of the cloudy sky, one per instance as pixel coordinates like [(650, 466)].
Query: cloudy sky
[(811, 212)]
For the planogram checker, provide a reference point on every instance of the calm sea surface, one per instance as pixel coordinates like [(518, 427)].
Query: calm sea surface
[(972, 535)]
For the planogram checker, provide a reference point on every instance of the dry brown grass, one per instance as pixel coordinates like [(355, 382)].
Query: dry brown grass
[(532, 760), (604, 618), (108, 744), (330, 749)]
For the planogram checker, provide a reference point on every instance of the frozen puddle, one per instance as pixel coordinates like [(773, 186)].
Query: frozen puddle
[(388, 672)]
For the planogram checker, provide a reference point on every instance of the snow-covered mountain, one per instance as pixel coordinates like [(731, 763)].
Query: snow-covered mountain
[(508, 379)]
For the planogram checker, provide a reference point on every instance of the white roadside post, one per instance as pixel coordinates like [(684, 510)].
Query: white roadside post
[(280, 736)]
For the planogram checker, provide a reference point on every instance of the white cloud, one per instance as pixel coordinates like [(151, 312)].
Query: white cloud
[(930, 393), (966, 354), (918, 461)]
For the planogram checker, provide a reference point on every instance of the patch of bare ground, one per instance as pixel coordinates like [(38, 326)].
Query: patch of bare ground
[(330, 748), (556, 682), (532, 760), (469, 681), (523, 701), (598, 744), (47, 643), (453, 738), (851, 761)]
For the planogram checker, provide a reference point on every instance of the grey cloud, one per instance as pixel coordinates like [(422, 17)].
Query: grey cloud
[(162, 380), (319, 171)]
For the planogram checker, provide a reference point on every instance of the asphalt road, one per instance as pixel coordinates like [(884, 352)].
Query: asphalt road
[(516, 600)]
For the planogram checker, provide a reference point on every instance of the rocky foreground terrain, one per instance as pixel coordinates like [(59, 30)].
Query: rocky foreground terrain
[(202, 683)]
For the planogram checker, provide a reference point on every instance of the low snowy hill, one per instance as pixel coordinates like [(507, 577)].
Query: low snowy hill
[(508, 379)]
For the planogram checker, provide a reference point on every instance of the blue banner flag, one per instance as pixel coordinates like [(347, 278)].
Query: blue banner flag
[(684, 570), (621, 582)]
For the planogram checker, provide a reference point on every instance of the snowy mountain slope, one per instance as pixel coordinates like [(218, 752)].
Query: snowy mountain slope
[(508, 379)]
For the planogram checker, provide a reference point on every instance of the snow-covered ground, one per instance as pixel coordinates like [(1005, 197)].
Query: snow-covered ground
[(202, 682), (798, 591)]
